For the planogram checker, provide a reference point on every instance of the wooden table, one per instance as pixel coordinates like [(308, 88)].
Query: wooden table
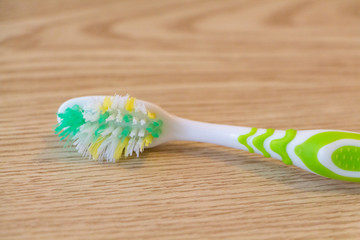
[(280, 64)]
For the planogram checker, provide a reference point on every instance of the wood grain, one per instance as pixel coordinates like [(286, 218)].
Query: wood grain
[(280, 64)]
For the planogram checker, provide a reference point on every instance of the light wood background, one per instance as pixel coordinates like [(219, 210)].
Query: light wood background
[(280, 64)]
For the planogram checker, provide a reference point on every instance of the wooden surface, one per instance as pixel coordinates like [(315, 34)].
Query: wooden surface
[(280, 64)]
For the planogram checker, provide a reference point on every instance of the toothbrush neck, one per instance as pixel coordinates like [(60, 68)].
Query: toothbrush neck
[(225, 135)]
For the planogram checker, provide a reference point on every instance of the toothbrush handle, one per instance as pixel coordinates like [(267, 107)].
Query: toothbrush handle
[(329, 153)]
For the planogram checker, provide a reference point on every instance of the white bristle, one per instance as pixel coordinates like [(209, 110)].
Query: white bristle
[(140, 107), (107, 131), (130, 147), (119, 117), (141, 132), (133, 132), (137, 147), (135, 121), (112, 117)]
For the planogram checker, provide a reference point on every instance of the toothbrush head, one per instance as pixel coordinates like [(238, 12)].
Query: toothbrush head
[(107, 128)]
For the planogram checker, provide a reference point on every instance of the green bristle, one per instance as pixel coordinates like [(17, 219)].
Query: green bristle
[(156, 133), (103, 117), (100, 129), (158, 123), (125, 132), (128, 118), (72, 119), (151, 127)]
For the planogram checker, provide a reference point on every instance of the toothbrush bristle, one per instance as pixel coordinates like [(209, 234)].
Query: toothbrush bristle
[(107, 129)]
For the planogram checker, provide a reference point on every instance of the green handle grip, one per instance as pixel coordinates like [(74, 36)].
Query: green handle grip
[(330, 153)]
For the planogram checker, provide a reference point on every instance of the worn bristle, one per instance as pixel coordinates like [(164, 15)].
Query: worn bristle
[(107, 129)]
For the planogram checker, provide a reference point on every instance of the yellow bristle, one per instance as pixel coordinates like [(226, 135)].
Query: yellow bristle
[(120, 148), (142, 145), (93, 149), (129, 106), (106, 104), (151, 115), (148, 139)]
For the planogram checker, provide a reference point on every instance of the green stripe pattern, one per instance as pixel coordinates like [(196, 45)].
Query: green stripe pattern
[(259, 141), (242, 139), (277, 145), (346, 158)]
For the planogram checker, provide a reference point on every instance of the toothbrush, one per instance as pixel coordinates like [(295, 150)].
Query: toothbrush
[(109, 128)]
